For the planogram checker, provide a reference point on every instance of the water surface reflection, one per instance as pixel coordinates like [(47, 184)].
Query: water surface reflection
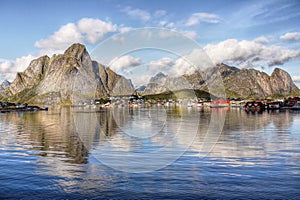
[(56, 153)]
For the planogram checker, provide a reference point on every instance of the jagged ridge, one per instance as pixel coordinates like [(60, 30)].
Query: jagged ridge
[(244, 83), (70, 78)]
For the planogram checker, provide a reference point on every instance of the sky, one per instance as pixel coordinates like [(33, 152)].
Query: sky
[(246, 34)]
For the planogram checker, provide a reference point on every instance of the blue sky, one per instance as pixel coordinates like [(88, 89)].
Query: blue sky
[(259, 34)]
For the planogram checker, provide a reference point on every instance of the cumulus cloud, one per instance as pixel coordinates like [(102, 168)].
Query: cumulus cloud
[(196, 60), (137, 13), (296, 79), (120, 63), (262, 40), (93, 30), (199, 17), (62, 38), (8, 68), (293, 36), (161, 65), (86, 29), (141, 80), (124, 29), (249, 53)]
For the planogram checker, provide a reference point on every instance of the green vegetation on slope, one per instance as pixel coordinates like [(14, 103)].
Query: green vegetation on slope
[(180, 94)]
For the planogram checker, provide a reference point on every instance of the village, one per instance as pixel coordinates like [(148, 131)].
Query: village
[(135, 101), (292, 103)]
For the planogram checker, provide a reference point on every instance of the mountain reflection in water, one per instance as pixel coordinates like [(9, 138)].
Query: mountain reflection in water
[(76, 151)]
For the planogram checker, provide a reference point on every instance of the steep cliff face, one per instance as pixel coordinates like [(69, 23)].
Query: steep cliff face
[(253, 83), (70, 78), (117, 85), (237, 82), (282, 82), (30, 77)]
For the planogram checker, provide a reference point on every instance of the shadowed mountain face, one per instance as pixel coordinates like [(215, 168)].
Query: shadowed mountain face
[(244, 83), (70, 78)]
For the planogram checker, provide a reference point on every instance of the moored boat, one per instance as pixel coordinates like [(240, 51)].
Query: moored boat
[(296, 106), (254, 106), (274, 105)]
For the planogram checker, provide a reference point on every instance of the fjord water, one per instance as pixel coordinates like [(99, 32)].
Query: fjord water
[(86, 153)]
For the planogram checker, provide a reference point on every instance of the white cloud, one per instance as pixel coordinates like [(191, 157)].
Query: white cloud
[(197, 18), (86, 29), (170, 25), (5, 65), (120, 63), (124, 29), (141, 80), (296, 78), (8, 69), (293, 36), (162, 23), (190, 34), (93, 30), (161, 65), (249, 53), (137, 13), (61, 39), (196, 60), (262, 40)]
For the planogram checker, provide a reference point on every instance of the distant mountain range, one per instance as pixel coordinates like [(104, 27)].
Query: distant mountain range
[(73, 78), (238, 83)]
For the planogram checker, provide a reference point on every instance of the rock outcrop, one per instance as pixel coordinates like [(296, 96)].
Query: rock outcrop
[(244, 83), (69, 78), (5, 84), (253, 83)]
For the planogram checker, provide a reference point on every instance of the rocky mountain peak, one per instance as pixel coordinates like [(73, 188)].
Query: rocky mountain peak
[(79, 52), (69, 78), (4, 85), (244, 83), (279, 72), (157, 77), (76, 50), (283, 81)]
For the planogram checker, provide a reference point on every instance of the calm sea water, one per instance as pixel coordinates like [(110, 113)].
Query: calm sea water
[(146, 153)]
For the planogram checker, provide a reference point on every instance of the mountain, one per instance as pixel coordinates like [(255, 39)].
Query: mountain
[(69, 78), (141, 88), (244, 83), (254, 83), (4, 85), (73, 78)]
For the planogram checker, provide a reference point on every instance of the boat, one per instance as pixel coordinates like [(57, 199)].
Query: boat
[(254, 106), (296, 106), (274, 105), (237, 104)]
